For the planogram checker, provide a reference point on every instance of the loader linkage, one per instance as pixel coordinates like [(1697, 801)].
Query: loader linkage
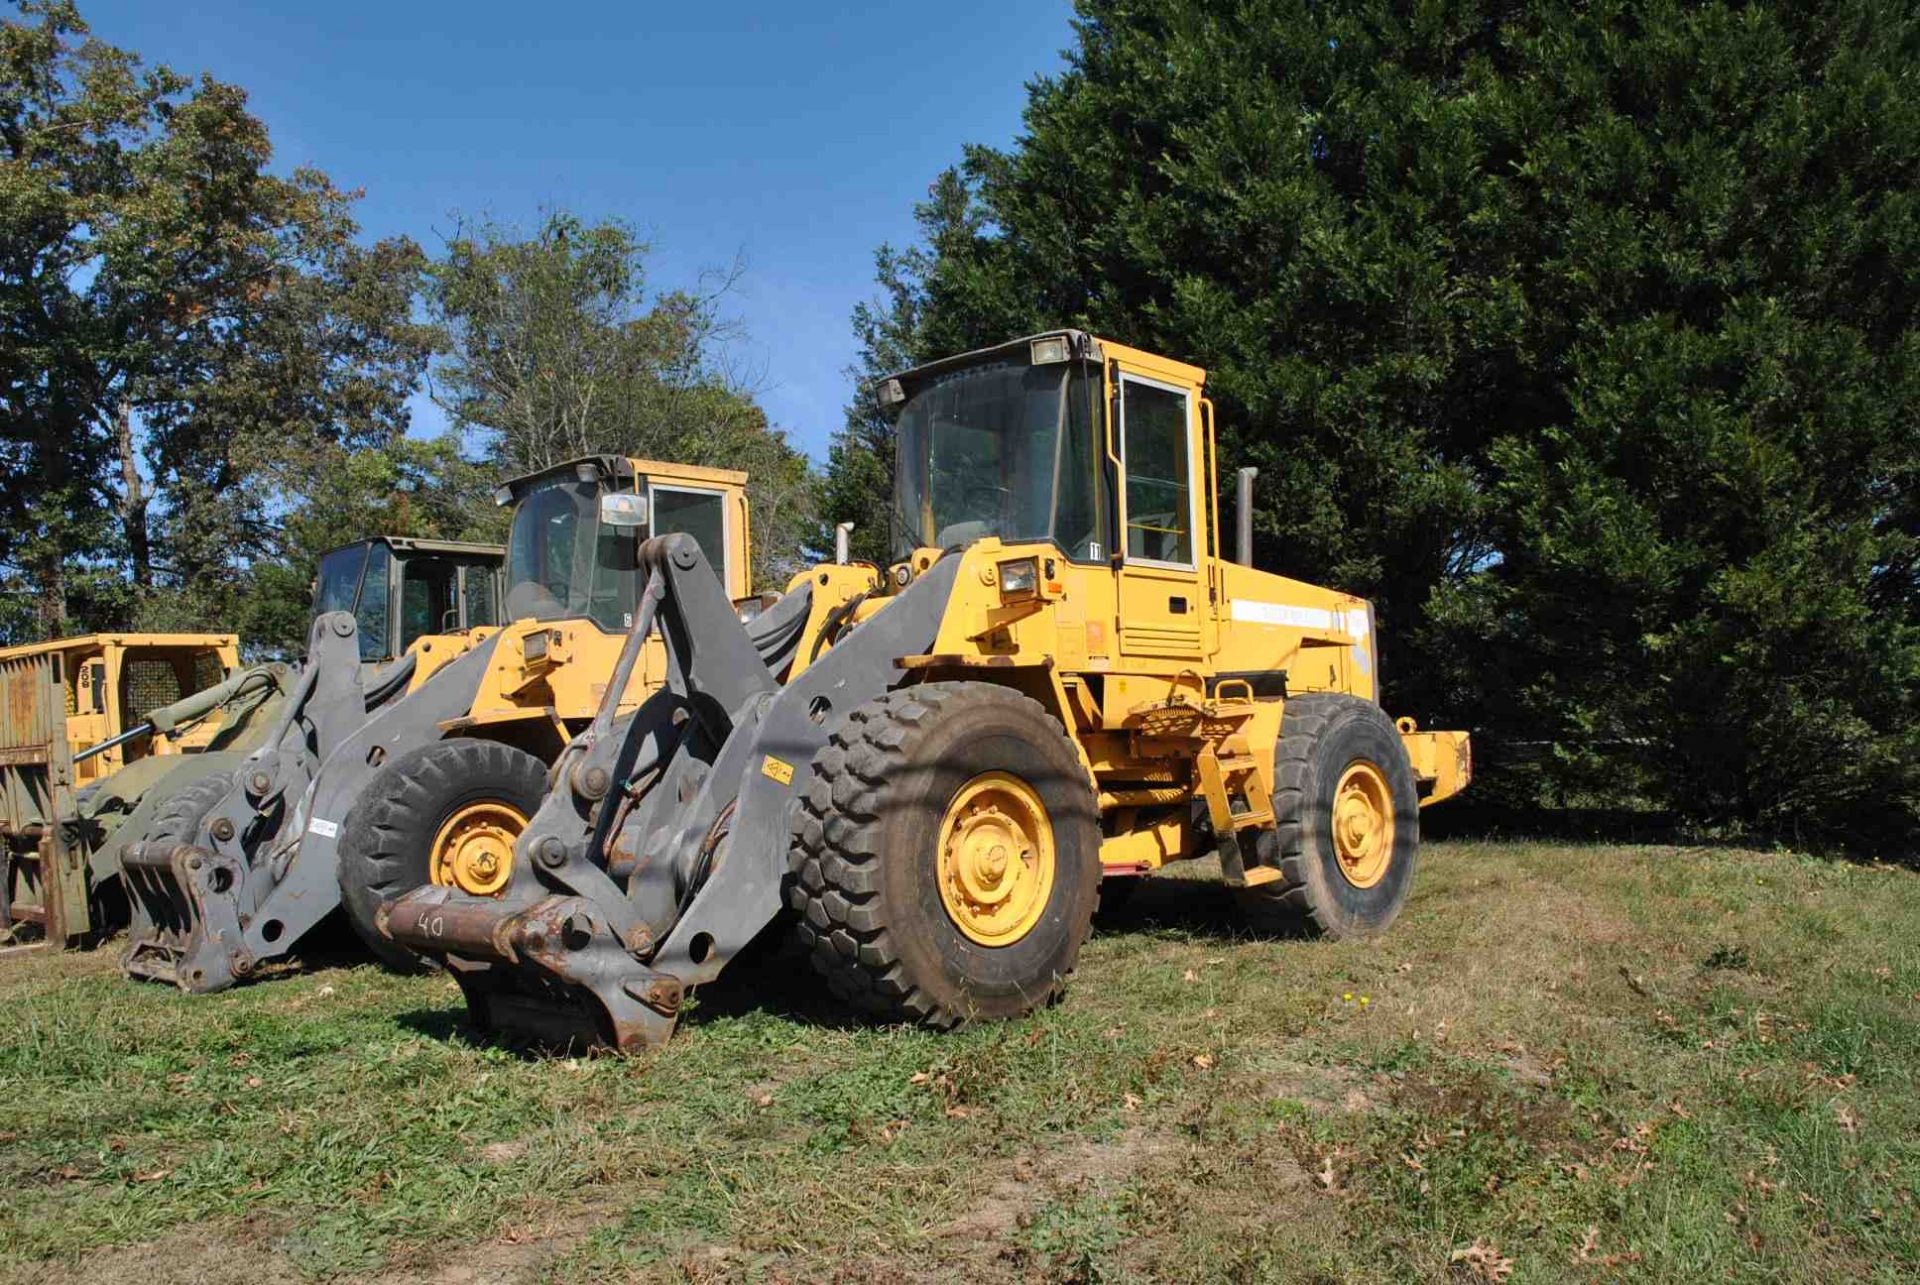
[(662, 846), (251, 878)]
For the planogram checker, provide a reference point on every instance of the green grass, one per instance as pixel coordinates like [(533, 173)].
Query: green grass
[(1591, 1063)]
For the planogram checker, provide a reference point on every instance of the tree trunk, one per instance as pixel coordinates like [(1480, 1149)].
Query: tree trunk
[(133, 506), (50, 602)]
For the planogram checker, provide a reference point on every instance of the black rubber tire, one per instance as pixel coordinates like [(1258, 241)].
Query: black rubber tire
[(179, 819), (863, 859), (386, 841), (1321, 735)]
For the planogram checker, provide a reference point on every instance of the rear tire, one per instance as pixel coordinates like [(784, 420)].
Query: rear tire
[(1336, 887), (387, 842), (915, 792)]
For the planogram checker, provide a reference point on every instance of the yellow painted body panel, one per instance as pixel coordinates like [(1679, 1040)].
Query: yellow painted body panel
[(113, 679), (1151, 667), (547, 677)]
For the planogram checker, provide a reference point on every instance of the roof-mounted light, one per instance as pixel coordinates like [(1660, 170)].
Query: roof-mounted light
[(1051, 351), (889, 393), (503, 496)]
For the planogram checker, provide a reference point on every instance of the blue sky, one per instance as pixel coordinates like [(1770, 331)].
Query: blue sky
[(797, 136)]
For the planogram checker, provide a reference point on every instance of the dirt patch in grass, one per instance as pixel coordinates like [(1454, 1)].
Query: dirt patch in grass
[(219, 1252)]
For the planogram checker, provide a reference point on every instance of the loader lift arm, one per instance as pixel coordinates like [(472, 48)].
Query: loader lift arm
[(662, 849)]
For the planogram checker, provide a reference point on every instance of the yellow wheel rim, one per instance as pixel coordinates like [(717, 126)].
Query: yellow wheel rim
[(1363, 825), (996, 859), (474, 849)]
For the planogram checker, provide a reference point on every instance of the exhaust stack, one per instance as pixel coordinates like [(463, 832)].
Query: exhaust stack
[(1243, 516)]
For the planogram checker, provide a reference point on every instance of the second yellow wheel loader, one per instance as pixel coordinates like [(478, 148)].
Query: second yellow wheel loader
[(1058, 679), (424, 771)]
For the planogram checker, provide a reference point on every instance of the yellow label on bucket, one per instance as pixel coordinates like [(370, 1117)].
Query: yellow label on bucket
[(777, 769)]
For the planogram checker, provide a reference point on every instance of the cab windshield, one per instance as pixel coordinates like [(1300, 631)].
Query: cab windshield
[(1003, 449), (562, 562), (338, 579)]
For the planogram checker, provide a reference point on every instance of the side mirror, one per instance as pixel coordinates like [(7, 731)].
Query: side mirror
[(623, 509)]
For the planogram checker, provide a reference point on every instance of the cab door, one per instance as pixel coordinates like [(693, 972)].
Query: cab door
[(1164, 612)]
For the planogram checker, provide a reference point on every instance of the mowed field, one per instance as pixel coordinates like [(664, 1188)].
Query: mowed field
[(1564, 1063)]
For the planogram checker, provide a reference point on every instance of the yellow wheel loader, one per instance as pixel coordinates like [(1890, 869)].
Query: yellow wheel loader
[(1059, 679), (150, 714), (426, 770)]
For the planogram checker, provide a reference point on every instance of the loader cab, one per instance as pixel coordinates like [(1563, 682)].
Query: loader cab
[(572, 553), (1101, 451), (401, 590)]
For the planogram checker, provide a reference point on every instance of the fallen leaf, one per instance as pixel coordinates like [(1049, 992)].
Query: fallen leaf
[(254, 1081), (1190, 976), (151, 1175), (1204, 1061), (1129, 1102), (1843, 1115), (764, 1100), (1483, 1260), (957, 1112)]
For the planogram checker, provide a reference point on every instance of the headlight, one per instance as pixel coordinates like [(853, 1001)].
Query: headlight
[(1019, 578), (534, 646)]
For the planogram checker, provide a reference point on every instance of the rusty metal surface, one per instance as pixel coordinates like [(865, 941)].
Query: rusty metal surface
[(43, 878)]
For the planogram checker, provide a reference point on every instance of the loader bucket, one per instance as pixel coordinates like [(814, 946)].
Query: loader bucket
[(187, 928), (661, 848)]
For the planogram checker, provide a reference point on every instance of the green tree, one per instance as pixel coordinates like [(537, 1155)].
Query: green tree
[(1580, 337), (175, 322), (891, 331), (553, 348)]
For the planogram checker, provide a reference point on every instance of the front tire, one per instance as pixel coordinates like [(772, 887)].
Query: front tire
[(946, 857), (179, 819), (1347, 822), (446, 813)]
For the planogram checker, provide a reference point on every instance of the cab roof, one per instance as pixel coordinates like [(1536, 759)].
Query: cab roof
[(101, 642), (411, 544), (1081, 345), (623, 469)]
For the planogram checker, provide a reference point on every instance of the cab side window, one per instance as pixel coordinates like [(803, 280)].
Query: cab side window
[(1155, 444), (700, 514), (373, 612)]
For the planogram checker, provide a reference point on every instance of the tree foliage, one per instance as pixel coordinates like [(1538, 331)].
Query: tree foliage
[(552, 348), (205, 372), (1581, 337), (181, 327)]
